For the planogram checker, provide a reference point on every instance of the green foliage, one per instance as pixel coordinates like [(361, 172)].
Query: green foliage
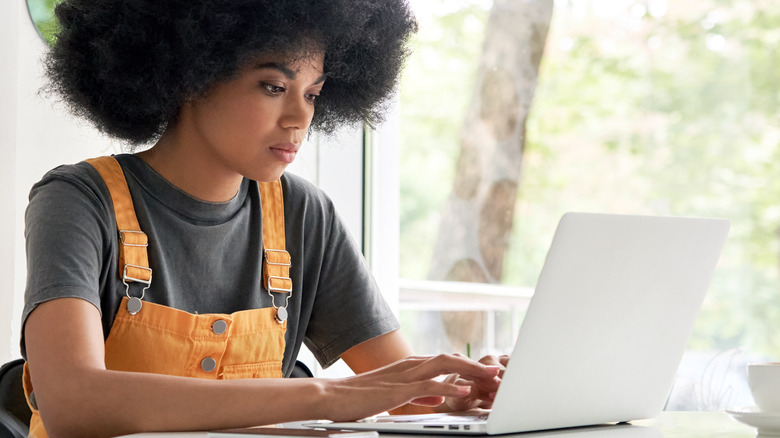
[(42, 14), (436, 88), (672, 114)]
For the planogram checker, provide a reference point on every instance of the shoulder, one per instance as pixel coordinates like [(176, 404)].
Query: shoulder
[(81, 172), (309, 210), (80, 180), (72, 194)]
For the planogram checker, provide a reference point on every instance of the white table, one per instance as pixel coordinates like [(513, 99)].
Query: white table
[(666, 425)]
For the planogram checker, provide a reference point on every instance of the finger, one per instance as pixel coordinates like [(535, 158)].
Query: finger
[(480, 394), (401, 365), (484, 398), (432, 393), (486, 404), (428, 401), (488, 385), (450, 363), (415, 361), (463, 403), (476, 398), (429, 367), (500, 361), (460, 381), (504, 361), (453, 378), (484, 385), (490, 360)]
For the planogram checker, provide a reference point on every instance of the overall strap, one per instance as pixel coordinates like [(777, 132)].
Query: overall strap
[(133, 260), (276, 259)]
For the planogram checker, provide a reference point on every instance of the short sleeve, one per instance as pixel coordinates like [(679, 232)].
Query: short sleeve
[(65, 232), (349, 307)]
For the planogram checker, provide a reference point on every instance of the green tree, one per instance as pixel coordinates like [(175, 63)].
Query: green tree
[(42, 14), (642, 107)]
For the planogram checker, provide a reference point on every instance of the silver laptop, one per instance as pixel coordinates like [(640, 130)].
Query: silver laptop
[(605, 330)]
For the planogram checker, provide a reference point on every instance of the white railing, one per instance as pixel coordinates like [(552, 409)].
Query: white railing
[(454, 296), (458, 295)]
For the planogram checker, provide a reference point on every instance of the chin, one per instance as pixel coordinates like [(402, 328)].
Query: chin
[(267, 176)]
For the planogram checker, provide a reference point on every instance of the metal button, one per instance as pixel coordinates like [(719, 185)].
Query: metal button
[(208, 364), (134, 305), (219, 326)]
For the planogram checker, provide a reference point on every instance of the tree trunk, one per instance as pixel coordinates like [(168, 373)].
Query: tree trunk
[(477, 218)]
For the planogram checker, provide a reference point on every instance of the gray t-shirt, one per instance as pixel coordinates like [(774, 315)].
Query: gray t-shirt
[(205, 257)]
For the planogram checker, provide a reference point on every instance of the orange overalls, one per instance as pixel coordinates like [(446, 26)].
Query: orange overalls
[(152, 338)]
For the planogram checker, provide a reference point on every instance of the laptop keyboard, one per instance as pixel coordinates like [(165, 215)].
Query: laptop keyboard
[(448, 418), (464, 418)]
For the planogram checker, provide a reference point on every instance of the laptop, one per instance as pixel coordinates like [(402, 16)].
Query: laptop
[(605, 331)]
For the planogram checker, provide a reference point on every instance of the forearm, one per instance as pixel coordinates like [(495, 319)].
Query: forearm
[(77, 396), (120, 402), (392, 346), (378, 352), (108, 403)]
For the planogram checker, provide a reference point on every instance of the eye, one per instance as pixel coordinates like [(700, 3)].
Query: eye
[(311, 98), (272, 89)]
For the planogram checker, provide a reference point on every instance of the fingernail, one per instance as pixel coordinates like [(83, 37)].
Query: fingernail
[(464, 390)]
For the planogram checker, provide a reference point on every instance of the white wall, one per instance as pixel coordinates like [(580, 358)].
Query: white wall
[(8, 79), (385, 206), (35, 136), (335, 163)]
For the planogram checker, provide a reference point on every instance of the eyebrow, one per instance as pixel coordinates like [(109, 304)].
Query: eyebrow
[(287, 71)]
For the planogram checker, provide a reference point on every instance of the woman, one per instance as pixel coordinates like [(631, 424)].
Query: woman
[(199, 257)]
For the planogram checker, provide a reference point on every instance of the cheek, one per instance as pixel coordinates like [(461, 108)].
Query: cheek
[(252, 114), (240, 121)]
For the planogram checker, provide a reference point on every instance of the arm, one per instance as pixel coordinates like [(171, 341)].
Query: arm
[(393, 346), (65, 352), (378, 352), (77, 396)]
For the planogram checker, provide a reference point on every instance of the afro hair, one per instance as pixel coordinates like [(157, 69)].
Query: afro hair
[(129, 65)]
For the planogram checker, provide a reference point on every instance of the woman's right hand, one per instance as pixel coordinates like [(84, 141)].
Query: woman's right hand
[(411, 380)]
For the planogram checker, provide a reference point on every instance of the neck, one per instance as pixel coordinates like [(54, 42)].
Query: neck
[(193, 173)]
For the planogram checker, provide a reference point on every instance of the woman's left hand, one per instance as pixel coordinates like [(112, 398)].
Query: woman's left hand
[(482, 393)]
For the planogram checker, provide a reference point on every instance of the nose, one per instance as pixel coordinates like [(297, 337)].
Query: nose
[(297, 113)]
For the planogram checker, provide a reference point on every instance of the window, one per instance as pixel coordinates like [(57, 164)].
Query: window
[(641, 107), (42, 15)]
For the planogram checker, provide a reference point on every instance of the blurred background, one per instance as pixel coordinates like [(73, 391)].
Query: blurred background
[(645, 107), (511, 113)]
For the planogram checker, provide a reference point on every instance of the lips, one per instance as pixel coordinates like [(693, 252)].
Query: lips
[(285, 152)]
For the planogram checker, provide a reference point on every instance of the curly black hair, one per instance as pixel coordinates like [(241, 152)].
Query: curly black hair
[(129, 65)]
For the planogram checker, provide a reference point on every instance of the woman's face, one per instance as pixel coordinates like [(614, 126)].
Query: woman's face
[(254, 124)]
